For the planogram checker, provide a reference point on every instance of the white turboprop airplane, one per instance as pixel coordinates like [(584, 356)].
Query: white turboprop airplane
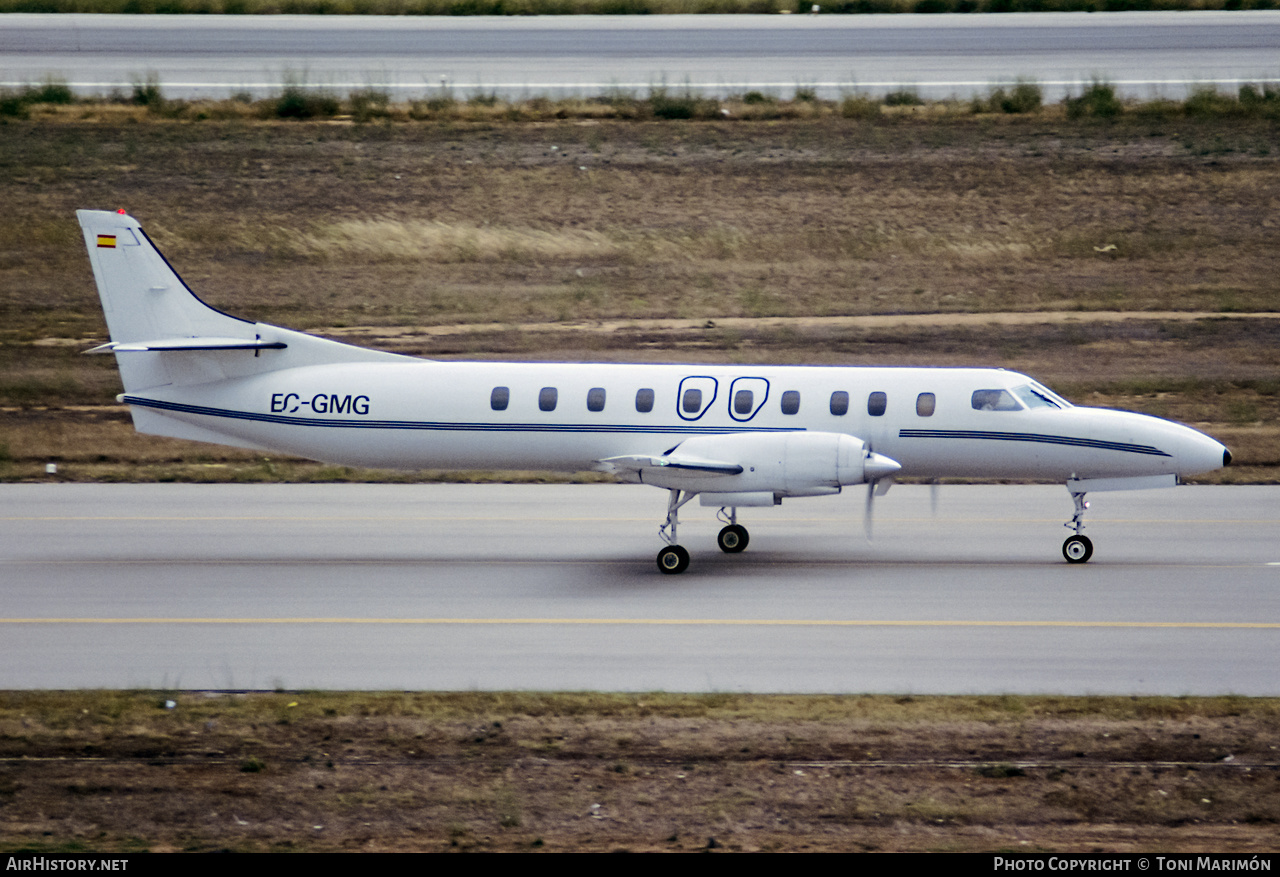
[(735, 436)]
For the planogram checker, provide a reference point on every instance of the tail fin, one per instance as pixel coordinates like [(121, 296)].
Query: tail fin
[(144, 298), (163, 335)]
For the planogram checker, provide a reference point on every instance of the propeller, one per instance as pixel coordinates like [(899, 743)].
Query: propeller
[(878, 470)]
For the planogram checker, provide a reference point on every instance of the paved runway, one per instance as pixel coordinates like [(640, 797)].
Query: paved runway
[(1143, 53), (554, 587)]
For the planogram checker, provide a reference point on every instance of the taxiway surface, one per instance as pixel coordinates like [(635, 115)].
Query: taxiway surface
[(555, 587), (1142, 53)]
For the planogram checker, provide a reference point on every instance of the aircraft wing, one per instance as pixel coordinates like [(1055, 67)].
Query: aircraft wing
[(639, 463)]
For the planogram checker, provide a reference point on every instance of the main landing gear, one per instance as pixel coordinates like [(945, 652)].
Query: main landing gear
[(1077, 548), (733, 538), (673, 558)]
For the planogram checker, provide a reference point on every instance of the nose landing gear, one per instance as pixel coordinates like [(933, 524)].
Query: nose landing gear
[(1077, 548)]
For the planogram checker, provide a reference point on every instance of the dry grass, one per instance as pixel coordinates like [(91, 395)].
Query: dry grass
[(437, 243)]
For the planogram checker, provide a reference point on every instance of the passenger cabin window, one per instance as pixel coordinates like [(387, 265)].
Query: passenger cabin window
[(839, 403), (743, 402), (500, 398), (790, 401), (994, 400), (644, 401), (876, 404), (925, 403), (547, 397), (595, 399), (692, 403)]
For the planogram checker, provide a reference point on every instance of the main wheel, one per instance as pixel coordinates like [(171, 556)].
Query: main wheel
[(672, 560), (1077, 549), (733, 539)]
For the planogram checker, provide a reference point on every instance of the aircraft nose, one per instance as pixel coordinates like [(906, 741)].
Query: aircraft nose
[(1202, 454)]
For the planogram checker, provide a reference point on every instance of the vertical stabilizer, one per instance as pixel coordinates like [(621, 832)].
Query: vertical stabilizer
[(162, 334), (144, 298)]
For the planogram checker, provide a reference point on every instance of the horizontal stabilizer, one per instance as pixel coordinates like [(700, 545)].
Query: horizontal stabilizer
[(184, 344)]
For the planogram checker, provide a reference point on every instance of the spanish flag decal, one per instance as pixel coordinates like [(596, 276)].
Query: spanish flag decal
[(107, 240)]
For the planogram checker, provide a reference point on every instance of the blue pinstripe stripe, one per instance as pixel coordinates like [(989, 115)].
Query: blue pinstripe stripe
[(1034, 437), (445, 426)]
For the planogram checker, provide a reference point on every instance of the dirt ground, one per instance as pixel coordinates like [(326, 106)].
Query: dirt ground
[(310, 771)]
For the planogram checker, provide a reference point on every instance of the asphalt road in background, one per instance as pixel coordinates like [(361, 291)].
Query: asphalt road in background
[(455, 587), (1143, 53)]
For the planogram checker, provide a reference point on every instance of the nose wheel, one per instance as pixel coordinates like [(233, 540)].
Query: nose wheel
[(1077, 549)]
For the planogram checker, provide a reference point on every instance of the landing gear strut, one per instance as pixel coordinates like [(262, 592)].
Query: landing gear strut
[(1077, 548), (733, 538), (673, 559)]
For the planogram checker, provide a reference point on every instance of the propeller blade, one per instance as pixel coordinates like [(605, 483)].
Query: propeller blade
[(866, 518), (878, 470), (933, 498)]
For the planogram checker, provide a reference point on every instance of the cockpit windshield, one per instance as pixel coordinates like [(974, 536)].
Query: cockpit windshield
[(1035, 395)]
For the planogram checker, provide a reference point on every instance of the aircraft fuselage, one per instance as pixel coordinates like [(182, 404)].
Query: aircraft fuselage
[(415, 415)]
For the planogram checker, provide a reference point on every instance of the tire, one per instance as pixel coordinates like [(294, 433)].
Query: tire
[(733, 539), (1077, 549), (673, 560)]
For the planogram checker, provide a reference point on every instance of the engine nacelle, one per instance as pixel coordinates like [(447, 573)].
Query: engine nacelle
[(784, 464)]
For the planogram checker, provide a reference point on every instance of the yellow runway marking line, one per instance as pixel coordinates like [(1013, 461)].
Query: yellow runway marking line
[(669, 622)]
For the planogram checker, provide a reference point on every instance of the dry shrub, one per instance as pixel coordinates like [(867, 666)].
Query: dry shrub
[(859, 106)]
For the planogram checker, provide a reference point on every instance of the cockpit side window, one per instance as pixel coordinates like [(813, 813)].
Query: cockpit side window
[(994, 400)]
